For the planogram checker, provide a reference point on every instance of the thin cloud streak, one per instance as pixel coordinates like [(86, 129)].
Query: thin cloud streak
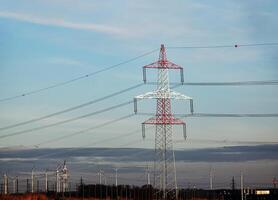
[(62, 23)]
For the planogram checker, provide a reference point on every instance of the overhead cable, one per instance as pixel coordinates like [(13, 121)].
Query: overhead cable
[(76, 79), (88, 145), (94, 127), (71, 108), (229, 83), (224, 46), (65, 121), (258, 115)]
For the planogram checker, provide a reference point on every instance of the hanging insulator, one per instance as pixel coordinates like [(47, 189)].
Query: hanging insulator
[(143, 130), (184, 131), (191, 106), (182, 76), (144, 75), (135, 105)]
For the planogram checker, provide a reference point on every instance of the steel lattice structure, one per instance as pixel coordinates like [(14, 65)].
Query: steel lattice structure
[(164, 162)]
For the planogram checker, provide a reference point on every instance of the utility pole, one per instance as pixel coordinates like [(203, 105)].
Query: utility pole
[(210, 179), (5, 184), (17, 185), (116, 182), (233, 183), (57, 181), (46, 181), (99, 177), (100, 186), (32, 181), (14, 182), (116, 177), (164, 166), (38, 186), (233, 188), (105, 183), (241, 186), (82, 187), (274, 181), (148, 175), (27, 185)]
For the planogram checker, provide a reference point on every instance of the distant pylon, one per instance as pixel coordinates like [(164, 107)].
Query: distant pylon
[(241, 186), (46, 181), (64, 177), (164, 166), (5, 184), (57, 181), (32, 181), (148, 175), (210, 179)]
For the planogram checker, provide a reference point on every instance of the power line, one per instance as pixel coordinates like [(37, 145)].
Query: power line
[(269, 82), (224, 46), (231, 83), (76, 79), (139, 152), (128, 61), (94, 127), (258, 115), (71, 108), (66, 121), (104, 151), (124, 145), (85, 130), (74, 149), (225, 141), (97, 142), (235, 83), (143, 150), (231, 115)]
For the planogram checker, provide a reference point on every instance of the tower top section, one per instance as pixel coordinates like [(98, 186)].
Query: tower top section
[(162, 63), (162, 56)]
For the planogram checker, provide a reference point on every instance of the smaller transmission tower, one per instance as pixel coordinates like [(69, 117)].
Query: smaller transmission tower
[(64, 177), (57, 181), (164, 166)]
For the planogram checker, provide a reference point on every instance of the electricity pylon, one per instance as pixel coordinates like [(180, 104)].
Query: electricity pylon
[(164, 165), (64, 177)]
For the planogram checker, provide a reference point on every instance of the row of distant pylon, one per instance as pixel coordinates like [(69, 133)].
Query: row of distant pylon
[(61, 174)]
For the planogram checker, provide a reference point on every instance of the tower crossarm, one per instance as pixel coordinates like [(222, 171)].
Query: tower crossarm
[(163, 64), (163, 120), (161, 95), (177, 95)]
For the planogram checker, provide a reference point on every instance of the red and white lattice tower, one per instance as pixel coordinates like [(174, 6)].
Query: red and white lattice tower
[(164, 165)]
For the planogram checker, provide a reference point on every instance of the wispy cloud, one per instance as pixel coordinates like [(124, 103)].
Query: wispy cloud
[(65, 61), (63, 23)]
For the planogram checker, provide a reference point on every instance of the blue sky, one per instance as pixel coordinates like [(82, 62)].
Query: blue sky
[(47, 42)]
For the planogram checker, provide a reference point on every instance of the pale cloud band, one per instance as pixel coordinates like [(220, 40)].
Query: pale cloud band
[(63, 23)]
